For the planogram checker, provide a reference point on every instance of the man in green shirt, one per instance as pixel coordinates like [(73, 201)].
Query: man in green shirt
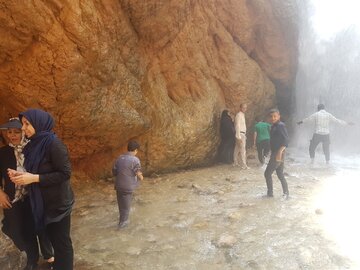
[(262, 139)]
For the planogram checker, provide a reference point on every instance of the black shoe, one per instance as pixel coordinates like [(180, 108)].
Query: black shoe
[(50, 265), (31, 267)]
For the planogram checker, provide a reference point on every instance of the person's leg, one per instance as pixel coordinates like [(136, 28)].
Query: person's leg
[(326, 147), (270, 168), (266, 145), (28, 231), (314, 142), (280, 175), (260, 149), (237, 152), (243, 150), (45, 245), (59, 235), (124, 204), (231, 150)]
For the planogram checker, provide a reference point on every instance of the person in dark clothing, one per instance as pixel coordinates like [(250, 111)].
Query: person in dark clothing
[(279, 140), (127, 172), (18, 222), (47, 175), (227, 134)]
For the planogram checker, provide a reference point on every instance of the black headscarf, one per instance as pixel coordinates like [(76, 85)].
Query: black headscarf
[(34, 153), (227, 129)]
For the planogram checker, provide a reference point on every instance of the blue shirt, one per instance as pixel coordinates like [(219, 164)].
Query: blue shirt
[(125, 169)]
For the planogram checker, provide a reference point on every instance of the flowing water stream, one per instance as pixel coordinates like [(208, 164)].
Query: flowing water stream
[(216, 218)]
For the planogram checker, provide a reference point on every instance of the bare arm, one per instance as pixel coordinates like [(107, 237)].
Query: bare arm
[(255, 136)]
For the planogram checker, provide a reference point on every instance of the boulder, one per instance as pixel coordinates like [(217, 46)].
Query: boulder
[(156, 71)]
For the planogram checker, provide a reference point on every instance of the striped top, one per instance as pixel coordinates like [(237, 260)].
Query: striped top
[(322, 121)]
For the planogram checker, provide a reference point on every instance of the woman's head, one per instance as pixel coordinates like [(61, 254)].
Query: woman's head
[(14, 135), (36, 121), (13, 131)]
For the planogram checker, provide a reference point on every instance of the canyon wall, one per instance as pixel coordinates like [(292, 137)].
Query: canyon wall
[(157, 71)]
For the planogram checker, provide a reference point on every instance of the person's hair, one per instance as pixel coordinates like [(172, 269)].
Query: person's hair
[(258, 119), (242, 104), (132, 146), (321, 107), (274, 110)]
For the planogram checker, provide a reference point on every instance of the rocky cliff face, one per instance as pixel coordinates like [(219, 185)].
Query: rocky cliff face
[(157, 71)]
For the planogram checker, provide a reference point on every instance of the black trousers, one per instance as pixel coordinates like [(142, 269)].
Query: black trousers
[(124, 199), (314, 142), (59, 235), (18, 224), (263, 149), (272, 166), (45, 245)]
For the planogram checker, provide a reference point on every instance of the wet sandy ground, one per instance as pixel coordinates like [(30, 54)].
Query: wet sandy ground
[(209, 218)]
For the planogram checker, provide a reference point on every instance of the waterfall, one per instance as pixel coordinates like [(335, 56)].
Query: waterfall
[(329, 70)]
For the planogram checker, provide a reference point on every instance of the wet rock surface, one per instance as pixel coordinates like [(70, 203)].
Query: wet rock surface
[(183, 221)]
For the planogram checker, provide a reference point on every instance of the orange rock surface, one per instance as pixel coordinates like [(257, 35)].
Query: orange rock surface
[(157, 71)]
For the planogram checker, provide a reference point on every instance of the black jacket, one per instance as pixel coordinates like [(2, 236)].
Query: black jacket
[(7, 160), (55, 172), (278, 137), (18, 221)]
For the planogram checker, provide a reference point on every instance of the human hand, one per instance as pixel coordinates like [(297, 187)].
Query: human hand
[(4, 200), (278, 157), (22, 178), (299, 123), (139, 175), (12, 172)]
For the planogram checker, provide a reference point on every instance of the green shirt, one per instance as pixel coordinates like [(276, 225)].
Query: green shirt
[(263, 131)]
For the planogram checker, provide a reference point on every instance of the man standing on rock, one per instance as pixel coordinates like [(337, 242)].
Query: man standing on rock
[(127, 170), (240, 136), (279, 140), (322, 121)]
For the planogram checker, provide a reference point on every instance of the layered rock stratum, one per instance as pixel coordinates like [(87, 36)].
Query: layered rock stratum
[(157, 71)]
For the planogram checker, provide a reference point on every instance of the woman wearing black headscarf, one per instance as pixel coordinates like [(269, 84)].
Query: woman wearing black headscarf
[(48, 176), (227, 133)]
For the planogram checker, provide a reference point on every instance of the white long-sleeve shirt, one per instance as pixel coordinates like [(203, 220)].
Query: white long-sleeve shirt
[(322, 121), (240, 125)]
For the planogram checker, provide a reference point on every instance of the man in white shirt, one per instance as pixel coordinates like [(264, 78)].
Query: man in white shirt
[(322, 121), (240, 138)]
